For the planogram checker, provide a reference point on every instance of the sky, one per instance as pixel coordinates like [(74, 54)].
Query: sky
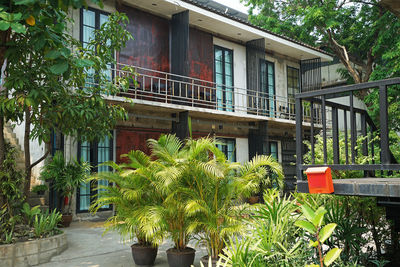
[(235, 4)]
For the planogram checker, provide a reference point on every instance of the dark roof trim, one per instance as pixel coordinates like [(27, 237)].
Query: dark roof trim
[(198, 4)]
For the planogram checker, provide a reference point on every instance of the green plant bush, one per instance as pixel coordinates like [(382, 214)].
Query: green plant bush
[(45, 224), (39, 188), (360, 220), (66, 177), (11, 195)]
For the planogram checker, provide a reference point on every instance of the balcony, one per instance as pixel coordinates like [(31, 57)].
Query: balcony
[(163, 89)]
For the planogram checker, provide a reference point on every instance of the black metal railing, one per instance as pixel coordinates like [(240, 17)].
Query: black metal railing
[(348, 128)]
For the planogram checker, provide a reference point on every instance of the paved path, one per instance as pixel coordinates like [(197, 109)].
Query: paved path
[(88, 248)]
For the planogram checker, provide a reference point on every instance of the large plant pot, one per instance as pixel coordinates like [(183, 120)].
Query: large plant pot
[(144, 255), (205, 260), (253, 200), (180, 258), (66, 220)]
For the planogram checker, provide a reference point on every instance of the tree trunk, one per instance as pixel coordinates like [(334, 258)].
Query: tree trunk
[(28, 169)]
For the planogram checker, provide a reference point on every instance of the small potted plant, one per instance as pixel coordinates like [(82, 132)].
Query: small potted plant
[(66, 177), (39, 189)]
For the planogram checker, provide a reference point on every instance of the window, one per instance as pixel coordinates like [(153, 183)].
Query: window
[(91, 20), (293, 87), (273, 149), (267, 88), (95, 153), (223, 76), (227, 145)]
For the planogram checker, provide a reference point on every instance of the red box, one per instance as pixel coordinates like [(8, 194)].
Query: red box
[(319, 180)]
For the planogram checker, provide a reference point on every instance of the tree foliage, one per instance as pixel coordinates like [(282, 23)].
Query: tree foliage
[(357, 32), (52, 81)]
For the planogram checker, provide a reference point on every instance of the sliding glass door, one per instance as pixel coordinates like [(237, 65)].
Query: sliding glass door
[(95, 153), (267, 88), (223, 77)]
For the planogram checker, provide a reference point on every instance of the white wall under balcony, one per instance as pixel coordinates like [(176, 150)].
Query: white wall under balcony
[(239, 71), (242, 150)]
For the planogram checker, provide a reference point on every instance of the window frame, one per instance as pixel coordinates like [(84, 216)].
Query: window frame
[(272, 113), (291, 97), (224, 142), (224, 107), (93, 148), (97, 13)]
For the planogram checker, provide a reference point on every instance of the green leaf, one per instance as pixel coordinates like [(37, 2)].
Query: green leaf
[(319, 216), (312, 265), (331, 256), (326, 232), (53, 54), (59, 68), (313, 243), (306, 226), (24, 2), (83, 62), (4, 25), (308, 212), (16, 16), (18, 27)]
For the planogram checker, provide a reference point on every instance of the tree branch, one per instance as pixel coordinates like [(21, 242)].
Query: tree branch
[(40, 159)]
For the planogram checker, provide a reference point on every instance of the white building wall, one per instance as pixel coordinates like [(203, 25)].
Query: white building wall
[(37, 150), (242, 150)]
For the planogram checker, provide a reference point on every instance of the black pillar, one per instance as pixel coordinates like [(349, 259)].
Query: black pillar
[(180, 49), (181, 128), (257, 137)]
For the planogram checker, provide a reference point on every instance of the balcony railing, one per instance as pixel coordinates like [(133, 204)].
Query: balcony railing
[(383, 161), (164, 87)]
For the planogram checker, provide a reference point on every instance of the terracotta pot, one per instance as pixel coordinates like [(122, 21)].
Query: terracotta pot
[(144, 255), (66, 220), (180, 258), (253, 200)]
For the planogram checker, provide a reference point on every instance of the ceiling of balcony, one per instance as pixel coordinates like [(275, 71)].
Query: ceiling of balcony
[(228, 28)]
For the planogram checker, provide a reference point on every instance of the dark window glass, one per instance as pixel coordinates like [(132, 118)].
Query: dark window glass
[(273, 149), (228, 145)]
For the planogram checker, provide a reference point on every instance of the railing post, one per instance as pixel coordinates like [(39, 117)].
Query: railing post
[(312, 133), (166, 88), (299, 139), (335, 135), (324, 129), (353, 134), (383, 117), (192, 91)]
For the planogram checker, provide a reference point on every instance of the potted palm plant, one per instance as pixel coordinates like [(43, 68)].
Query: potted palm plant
[(217, 187), (65, 177), (133, 192), (172, 214)]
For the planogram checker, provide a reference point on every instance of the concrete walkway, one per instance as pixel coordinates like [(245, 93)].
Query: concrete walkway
[(88, 248)]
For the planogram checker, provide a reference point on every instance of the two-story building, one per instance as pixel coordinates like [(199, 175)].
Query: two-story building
[(201, 60)]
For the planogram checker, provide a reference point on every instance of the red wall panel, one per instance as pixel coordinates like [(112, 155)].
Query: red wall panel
[(150, 47), (134, 139), (201, 55)]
